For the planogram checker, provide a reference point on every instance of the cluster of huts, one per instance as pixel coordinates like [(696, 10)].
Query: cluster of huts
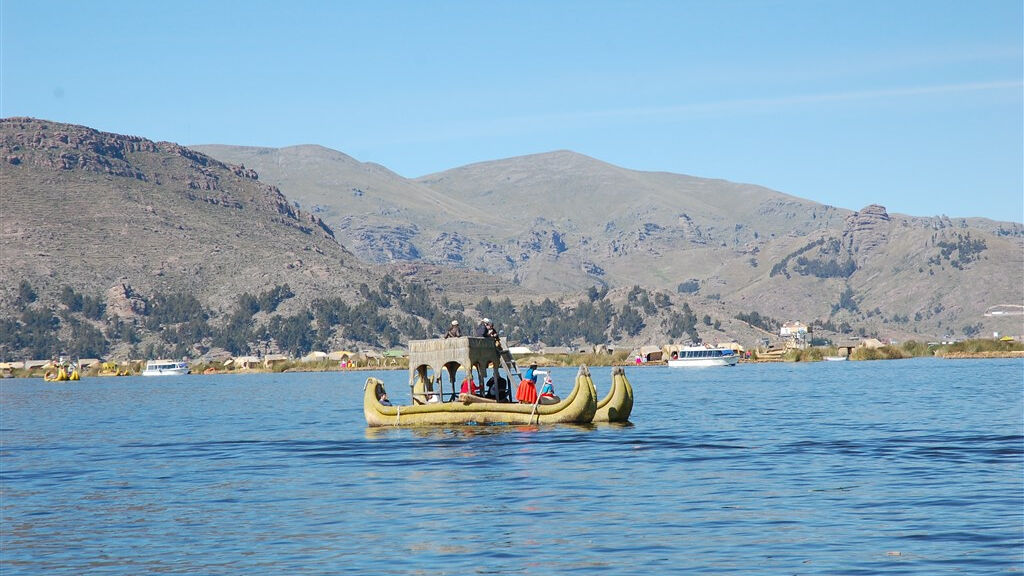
[(343, 358)]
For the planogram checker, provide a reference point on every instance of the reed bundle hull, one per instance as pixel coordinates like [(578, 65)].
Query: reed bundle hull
[(577, 407)]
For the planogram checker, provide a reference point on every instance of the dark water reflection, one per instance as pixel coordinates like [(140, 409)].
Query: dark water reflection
[(900, 467)]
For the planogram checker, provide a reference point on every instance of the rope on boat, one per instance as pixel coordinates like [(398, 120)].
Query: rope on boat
[(399, 415)]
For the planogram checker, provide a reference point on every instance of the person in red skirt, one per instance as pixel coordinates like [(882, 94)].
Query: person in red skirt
[(527, 391)]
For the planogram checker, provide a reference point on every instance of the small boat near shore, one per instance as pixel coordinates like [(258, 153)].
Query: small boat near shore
[(62, 372), (701, 356), (165, 368), (836, 358)]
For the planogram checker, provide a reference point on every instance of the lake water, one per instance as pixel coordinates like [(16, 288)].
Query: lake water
[(894, 467)]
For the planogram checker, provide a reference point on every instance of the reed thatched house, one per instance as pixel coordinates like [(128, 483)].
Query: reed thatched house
[(315, 356), (244, 362), (271, 360)]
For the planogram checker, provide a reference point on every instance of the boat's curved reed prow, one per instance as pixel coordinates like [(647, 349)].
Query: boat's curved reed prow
[(618, 404)]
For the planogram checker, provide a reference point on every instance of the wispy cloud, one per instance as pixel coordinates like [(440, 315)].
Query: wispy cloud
[(760, 104), (673, 113)]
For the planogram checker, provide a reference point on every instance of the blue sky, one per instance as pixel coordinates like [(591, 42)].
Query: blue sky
[(918, 106)]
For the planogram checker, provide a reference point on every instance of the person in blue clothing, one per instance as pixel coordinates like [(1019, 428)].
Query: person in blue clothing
[(547, 391), (527, 391)]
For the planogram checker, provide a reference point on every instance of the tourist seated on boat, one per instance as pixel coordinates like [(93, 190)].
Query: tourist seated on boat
[(469, 386), (497, 388), (527, 391), (454, 331), (384, 399), (547, 391), (428, 397)]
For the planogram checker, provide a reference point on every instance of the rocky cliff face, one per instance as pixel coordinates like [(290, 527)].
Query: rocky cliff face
[(30, 143), (867, 231), (124, 302), (92, 209), (51, 145)]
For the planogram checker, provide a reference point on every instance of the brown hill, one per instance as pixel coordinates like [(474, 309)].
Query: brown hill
[(560, 222), (379, 215), (128, 221), (93, 210)]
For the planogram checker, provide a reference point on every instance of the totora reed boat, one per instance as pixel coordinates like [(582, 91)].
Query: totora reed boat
[(435, 400)]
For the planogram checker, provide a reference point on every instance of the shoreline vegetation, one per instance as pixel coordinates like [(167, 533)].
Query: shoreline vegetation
[(980, 348)]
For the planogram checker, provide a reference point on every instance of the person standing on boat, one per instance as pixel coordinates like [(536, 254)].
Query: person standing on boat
[(453, 331), (527, 391)]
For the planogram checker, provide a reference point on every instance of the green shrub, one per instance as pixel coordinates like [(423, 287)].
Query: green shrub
[(979, 346), (813, 354), (883, 353), (916, 349)]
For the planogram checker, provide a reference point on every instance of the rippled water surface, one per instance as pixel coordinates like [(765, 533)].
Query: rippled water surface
[(895, 467)]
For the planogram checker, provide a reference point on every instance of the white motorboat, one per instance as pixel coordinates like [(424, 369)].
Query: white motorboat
[(698, 356), (165, 368)]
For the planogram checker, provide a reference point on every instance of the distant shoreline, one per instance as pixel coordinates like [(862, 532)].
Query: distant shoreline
[(989, 354)]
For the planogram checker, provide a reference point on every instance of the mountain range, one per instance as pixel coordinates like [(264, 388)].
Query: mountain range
[(561, 222), (119, 215)]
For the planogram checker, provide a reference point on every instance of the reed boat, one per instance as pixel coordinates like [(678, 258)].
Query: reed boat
[(577, 407), (618, 403), (62, 373), (436, 399)]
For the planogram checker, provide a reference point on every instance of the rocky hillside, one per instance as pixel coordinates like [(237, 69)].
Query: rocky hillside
[(561, 222), (120, 234), (91, 209), (129, 241)]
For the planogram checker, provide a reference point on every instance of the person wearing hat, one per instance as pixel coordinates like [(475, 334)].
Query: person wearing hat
[(486, 329), (453, 331), (547, 391), (482, 328), (527, 391)]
